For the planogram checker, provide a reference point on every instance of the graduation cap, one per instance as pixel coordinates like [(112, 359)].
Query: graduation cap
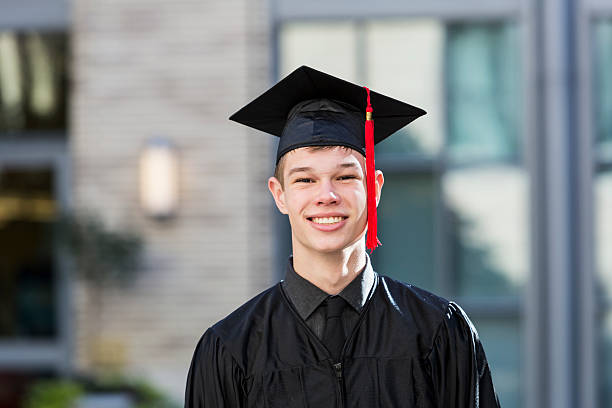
[(312, 108)]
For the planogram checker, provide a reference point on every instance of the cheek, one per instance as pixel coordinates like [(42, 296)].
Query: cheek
[(358, 198), (295, 201)]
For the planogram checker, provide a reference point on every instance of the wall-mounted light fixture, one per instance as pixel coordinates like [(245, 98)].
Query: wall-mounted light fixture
[(159, 179)]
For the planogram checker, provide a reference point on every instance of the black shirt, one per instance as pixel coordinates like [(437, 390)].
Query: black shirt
[(308, 298)]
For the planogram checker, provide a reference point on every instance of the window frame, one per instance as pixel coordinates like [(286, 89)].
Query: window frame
[(19, 15), (35, 149), (55, 354)]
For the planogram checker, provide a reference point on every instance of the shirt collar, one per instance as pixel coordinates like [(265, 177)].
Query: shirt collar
[(306, 297)]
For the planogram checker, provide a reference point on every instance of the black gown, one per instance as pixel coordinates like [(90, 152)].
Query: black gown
[(409, 348)]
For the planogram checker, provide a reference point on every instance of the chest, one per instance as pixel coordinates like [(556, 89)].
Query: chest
[(382, 365), (354, 382)]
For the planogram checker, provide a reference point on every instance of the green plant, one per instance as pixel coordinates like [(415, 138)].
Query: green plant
[(101, 255), (145, 395), (53, 394), (64, 393)]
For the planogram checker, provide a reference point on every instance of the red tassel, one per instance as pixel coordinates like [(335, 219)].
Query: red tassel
[(372, 240)]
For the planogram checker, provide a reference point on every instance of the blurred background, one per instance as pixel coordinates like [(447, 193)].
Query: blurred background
[(133, 214)]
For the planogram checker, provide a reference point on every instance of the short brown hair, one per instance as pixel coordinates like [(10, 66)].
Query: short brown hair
[(280, 166)]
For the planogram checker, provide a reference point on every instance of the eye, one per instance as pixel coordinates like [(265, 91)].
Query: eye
[(303, 180), (347, 177)]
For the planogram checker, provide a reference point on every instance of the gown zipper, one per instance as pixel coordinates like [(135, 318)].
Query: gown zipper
[(339, 386)]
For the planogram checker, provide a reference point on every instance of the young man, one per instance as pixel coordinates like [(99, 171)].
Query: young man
[(334, 333)]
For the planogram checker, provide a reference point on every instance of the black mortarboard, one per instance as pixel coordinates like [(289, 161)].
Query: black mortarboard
[(312, 108)]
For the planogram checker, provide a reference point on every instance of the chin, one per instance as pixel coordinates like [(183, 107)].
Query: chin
[(330, 246), (330, 249)]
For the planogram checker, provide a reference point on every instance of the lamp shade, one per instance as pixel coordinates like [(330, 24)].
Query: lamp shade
[(159, 179)]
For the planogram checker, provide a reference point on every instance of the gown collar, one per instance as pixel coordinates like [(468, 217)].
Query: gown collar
[(306, 296)]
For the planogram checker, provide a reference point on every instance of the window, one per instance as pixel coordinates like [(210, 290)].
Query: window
[(602, 41), (33, 92), (34, 321), (33, 83), (27, 298)]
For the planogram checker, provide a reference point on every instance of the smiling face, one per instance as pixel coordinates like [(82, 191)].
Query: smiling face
[(324, 194)]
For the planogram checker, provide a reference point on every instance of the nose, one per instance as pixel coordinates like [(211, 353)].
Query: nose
[(327, 194)]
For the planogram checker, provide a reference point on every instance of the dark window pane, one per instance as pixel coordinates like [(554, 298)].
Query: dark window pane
[(33, 82), (406, 216), (27, 294), (483, 91)]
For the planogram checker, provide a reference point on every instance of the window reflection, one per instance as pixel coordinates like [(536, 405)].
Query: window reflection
[(602, 191), (414, 75), (32, 82), (11, 80), (603, 90), (406, 219), (605, 367), (603, 230), (482, 68), (488, 208), (327, 46)]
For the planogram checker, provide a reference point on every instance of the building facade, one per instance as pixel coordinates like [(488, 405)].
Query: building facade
[(498, 198)]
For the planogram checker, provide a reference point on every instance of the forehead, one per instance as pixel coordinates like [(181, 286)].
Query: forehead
[(322, 158)]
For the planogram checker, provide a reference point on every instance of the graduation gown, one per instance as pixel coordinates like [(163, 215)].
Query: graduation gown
[(409, 348)]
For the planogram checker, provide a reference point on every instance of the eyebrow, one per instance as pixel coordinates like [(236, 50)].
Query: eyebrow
[(299, 169)]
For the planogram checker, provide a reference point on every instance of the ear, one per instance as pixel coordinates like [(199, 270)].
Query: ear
[(380, 180), (276, 189)]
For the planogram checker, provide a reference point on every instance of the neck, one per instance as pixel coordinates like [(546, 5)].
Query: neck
[(330, 272)]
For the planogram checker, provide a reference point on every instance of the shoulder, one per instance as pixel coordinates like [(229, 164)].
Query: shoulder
[(410, 297), (436, 318), (249, 315), (415, 306), (245, 326)]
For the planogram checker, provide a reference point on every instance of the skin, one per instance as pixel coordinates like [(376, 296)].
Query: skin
[(324, 183)]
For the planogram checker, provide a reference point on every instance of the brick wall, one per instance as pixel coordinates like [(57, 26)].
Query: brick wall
[(174, 69)]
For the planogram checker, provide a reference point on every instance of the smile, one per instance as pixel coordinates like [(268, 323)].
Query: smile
[(327, 220)]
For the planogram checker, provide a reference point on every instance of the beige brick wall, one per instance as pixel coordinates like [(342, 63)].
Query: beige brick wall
[(175, 69)]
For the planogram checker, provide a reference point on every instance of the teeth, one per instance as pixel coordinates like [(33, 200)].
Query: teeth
[(327, 220)]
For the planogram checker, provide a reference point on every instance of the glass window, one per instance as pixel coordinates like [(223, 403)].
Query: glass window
[(33, 83), (603, 88), (487, 211), (603, 231), (27, 292), (327, 46), (501, 339), (482, 77), (414, 75), (605, 359), (407, 223), (602, 42)]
